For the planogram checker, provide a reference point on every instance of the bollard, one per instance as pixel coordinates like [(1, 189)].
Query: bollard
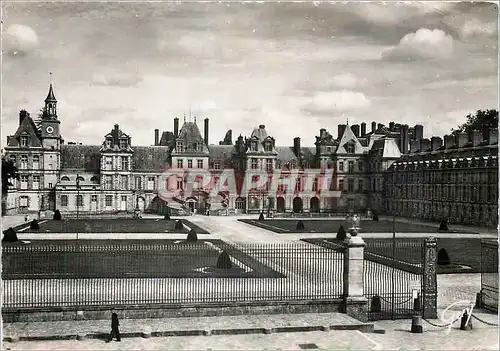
[(416, 325), (465, 322), (376, 304), (479, 300), (417, 304)]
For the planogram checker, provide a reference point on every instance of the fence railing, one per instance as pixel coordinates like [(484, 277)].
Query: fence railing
[(88, 273), (489, 274)]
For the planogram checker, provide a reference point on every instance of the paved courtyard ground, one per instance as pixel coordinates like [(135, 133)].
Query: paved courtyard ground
[(286, 226), (110, 226)]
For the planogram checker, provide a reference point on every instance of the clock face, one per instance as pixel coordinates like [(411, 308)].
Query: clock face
[(49, 129)]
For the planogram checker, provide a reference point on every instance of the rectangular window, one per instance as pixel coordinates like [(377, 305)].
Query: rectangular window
[(108, 182), (124, 182), (24, 141), (123, 144), (36, 162), (378, 185), (180, 163), (23, 201), (268, 146), (13, 159), (109, 163), (36, 182), (315, 184), (190, 163), (253, 146), (151, 183), (179, 184), (217, 165), (341, 166), (93, 198), (64, 200), (254, 163), (138, 183), (79, 200), (269, 166), (24, 161), (109, 142), (50, 185), (179, 147), (361, 185), (281, 188), (109, 200), (350, 185), (24, 181), (124, 160), (200, 163), (341, 184), (350, 166)]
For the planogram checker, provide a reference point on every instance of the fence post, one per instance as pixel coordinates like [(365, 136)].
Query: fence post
[(354, 303), (429, 280)]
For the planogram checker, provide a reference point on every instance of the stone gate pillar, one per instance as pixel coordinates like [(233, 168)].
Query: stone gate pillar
[(355, 303), (429, 279)]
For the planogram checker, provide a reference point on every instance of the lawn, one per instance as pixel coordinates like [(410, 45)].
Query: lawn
[(111, 226), (126, 259), (461, 251), (285, 226)]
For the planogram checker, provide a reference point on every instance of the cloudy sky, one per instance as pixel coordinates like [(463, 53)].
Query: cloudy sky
[(295, 67)]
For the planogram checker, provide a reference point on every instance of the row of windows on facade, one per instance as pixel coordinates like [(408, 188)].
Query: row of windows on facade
[(122, 143), (469, 176), (458, 192), (108, 199)]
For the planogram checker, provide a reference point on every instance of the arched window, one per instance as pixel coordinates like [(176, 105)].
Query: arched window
[(240, 203), (80, 179), (65, 179), (94, 179)]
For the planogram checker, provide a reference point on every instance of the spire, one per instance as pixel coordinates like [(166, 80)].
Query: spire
[(50, 96)]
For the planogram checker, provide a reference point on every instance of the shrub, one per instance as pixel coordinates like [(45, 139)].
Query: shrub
[(261, 216), (179, 225), (224, 261), (57, 215), (443, 226), (341, 234), (442, 258), (375, 217), (9, 235), (300, 225), (34, 225), (192, 236)]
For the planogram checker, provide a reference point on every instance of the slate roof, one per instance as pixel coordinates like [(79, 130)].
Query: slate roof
[(190, 133), (221, 152), (150, 158), (27, 128), (85, 157), (309, 155), (285, 154)]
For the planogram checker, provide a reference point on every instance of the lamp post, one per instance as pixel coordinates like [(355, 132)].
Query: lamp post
[(77, 195), (393, 273)]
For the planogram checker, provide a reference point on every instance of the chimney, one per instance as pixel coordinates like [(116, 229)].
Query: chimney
[(322, 133), (205, 130), (404, 140), (419, 131), (176, 127), (157, 137), (411, 133), (436, 143), (414, 145), (117, 127), (380, 125), (461, 139), (262, 126), (374, 127), (363, 129), (229, 137), (477, 137), (425, 145), (397, 128), (486, 133), (22, 115), (341, 129), (296, 146), (391, 126), (449, 141), (355, 130), (493, 136)]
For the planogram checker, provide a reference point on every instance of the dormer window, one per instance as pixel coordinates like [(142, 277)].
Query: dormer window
[(349, 148), (328, 149), (123, 144), (179, 145), (24, 141), (253, 146), (109, 142), (195, 146), (268, 146)]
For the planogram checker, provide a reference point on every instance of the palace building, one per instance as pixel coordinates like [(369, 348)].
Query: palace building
[(120, 177)]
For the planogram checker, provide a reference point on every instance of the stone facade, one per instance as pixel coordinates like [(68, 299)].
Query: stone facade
[(455, 181)]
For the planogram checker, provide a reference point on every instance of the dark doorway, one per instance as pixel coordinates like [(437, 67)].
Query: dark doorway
[(297, 205), (314, 205), (280, 205)]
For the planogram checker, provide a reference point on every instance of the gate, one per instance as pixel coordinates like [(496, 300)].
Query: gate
[(489, 275), (393, 277)]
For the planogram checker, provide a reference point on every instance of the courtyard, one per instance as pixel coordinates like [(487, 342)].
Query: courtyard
[(111, 226)]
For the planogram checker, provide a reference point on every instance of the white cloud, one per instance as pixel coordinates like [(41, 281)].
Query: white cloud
[(474, 27), (20, 39), (116, 79), (337, 101), (423, 44), (345, 80)]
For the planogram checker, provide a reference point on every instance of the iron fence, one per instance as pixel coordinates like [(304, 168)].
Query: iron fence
[(392, 277), (489, 274), (85, 273)]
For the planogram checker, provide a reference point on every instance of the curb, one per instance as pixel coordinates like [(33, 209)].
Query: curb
[(365, 328)]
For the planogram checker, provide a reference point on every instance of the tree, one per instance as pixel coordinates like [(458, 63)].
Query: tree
[(9, 171), (482, 119)]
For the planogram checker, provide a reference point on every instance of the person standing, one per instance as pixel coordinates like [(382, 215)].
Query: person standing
[(115, 332)]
